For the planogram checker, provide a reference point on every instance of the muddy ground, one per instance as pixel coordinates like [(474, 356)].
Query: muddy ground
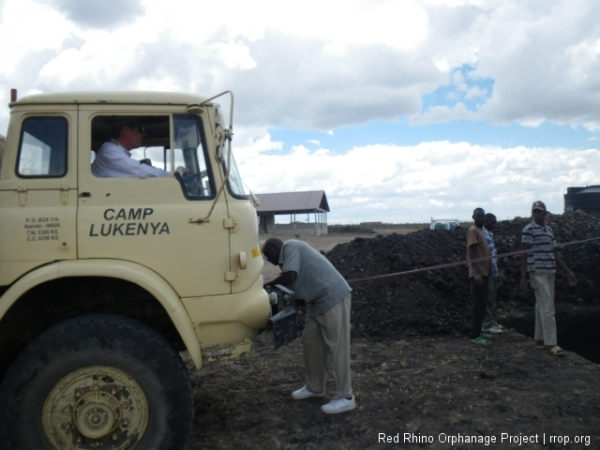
[(418, 381)]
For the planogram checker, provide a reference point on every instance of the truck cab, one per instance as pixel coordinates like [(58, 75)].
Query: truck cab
[(128, 269)]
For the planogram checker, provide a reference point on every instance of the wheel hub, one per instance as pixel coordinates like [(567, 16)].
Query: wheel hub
[(96, 414), (98, 406)]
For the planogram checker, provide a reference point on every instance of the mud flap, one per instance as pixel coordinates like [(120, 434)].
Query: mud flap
[(284, 326)]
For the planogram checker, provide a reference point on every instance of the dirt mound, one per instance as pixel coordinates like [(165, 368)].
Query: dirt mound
[(349, 229), (438, 301)]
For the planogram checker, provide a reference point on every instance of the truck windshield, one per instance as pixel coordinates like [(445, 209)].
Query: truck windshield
[(235, 183), (190, 153)]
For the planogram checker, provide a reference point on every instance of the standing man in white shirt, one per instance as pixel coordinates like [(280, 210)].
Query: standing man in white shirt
[(113, 158)]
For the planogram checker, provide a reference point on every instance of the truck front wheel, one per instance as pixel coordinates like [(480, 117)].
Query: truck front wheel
[(97, 381)]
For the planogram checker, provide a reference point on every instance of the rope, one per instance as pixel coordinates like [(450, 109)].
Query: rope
[(462, 263)]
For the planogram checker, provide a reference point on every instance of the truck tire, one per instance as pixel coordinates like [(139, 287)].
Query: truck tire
[(97, 381)]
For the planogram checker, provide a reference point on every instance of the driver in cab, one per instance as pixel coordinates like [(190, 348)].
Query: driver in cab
[(113, 158)]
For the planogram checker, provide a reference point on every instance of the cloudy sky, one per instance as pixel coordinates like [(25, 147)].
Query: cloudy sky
[(400, 110)]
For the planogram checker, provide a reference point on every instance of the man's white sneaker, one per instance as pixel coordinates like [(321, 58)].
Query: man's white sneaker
[(303, 393), (339, 405)]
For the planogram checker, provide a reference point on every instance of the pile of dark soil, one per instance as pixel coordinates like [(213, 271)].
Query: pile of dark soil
[(349, 229), (438, 301)]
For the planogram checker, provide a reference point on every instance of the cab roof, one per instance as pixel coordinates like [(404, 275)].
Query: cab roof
[(111, 97)]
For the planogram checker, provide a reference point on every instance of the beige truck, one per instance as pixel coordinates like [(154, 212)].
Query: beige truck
[(105, 280)]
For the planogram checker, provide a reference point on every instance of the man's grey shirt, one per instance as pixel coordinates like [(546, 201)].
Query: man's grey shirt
[(317, 281)]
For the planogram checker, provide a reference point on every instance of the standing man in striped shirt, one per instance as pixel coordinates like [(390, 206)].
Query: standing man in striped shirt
[(541, 264)]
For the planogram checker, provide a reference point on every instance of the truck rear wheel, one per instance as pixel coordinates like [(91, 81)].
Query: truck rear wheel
[(98, 381)]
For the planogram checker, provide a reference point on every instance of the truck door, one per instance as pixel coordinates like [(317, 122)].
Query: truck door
[(150, 221), (38, 191)]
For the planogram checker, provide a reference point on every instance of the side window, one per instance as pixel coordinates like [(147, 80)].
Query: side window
[(43, 147), (190, 153), (147, 139)]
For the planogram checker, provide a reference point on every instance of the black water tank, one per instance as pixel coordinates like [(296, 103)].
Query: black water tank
[(583, 198)]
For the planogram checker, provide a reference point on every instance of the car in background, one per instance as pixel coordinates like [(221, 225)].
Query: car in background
[(443, 224)]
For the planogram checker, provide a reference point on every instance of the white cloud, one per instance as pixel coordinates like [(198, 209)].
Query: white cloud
[(315, 64), (326, 65), (282, 67), (235, 55), (542, 57), (537, 70), (107, 14), (254, 142), (475, 92), (445, 114), (407, 184), (25, 30)]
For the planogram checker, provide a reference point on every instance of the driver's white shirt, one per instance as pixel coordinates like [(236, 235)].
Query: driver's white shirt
[(112, 160)]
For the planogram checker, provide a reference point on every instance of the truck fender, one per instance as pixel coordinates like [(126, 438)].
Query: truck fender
[(113, 268)]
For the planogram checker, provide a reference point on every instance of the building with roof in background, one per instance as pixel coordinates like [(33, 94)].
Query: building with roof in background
[(306, 213)]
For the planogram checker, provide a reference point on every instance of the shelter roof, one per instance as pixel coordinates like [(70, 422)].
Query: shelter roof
[(293, 202)]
